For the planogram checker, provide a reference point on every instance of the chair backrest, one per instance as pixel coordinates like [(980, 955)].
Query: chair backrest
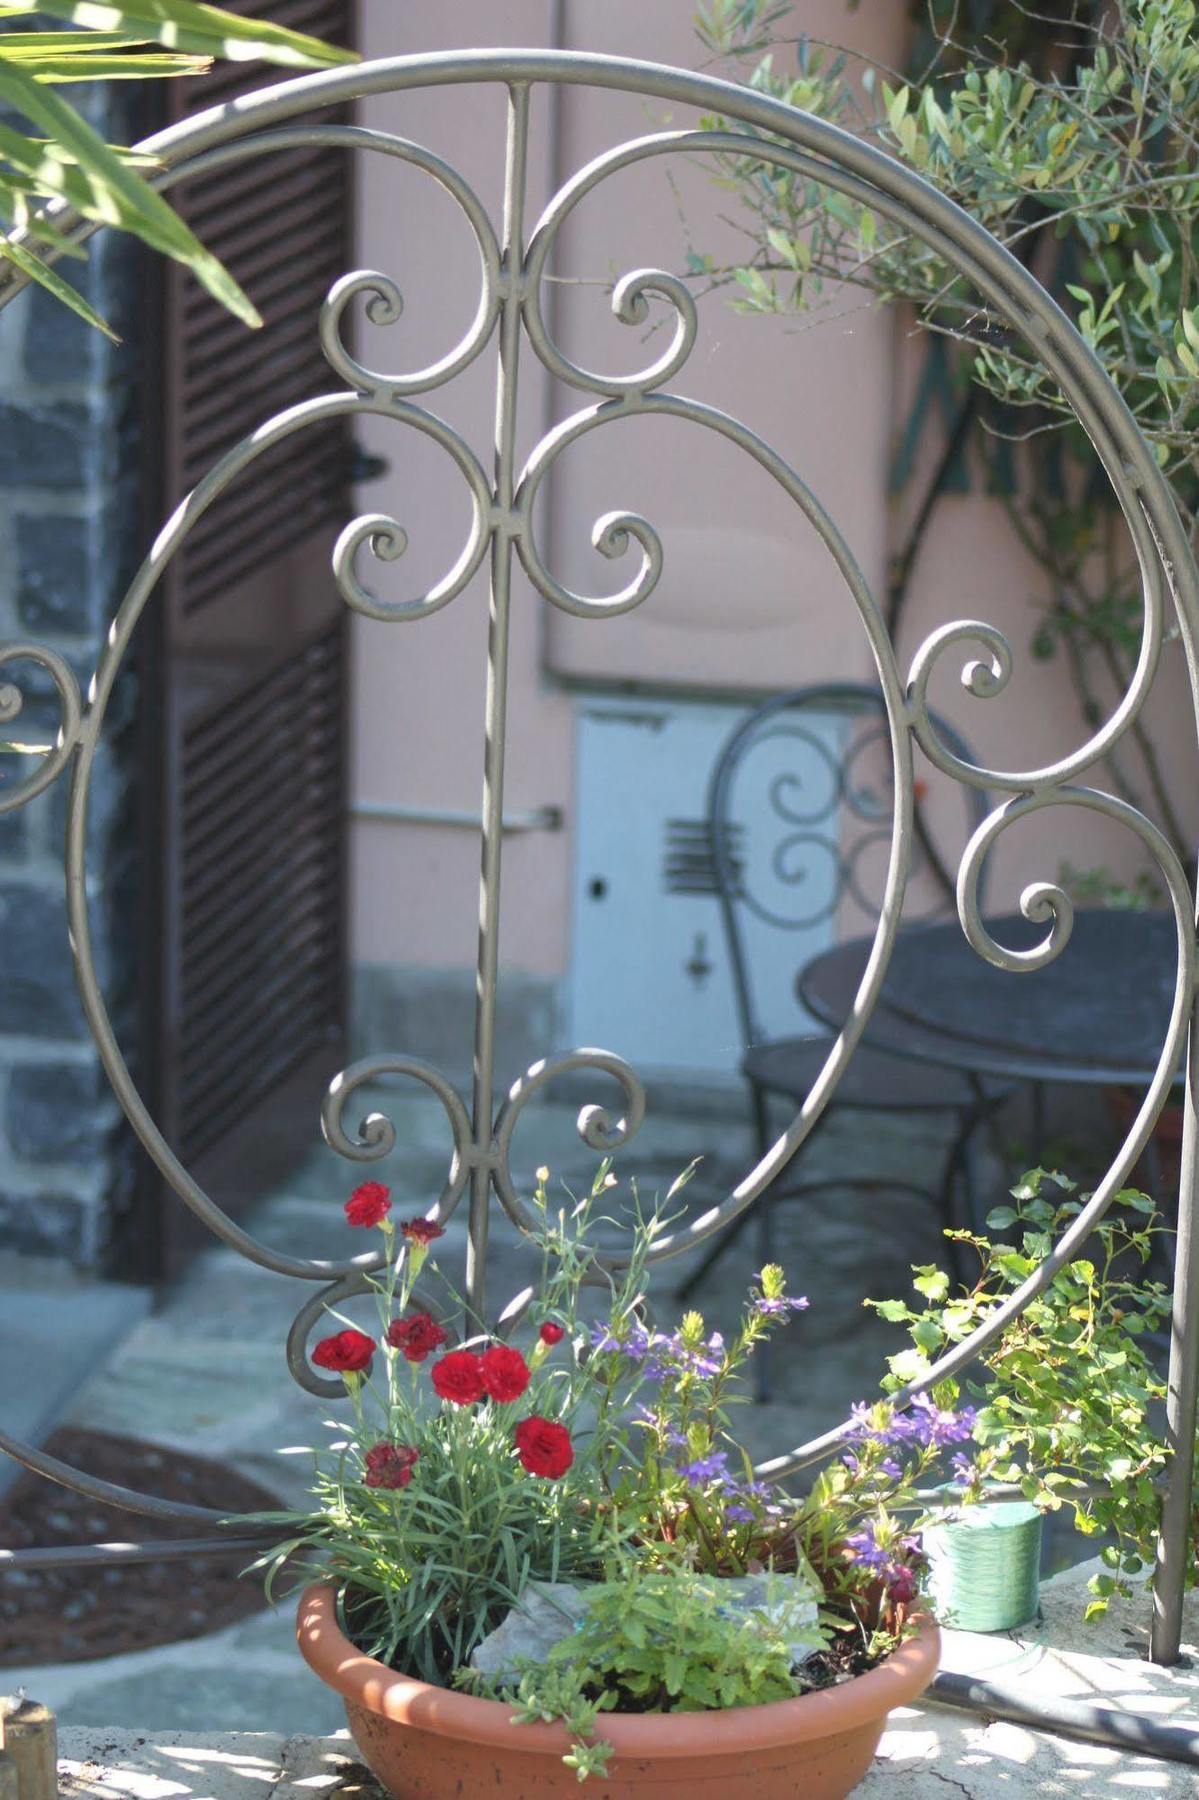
[(823, 757)]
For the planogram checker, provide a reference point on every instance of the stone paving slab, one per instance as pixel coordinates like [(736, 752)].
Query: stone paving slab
[(243, 1678), (924, 1753), (56, 1326)]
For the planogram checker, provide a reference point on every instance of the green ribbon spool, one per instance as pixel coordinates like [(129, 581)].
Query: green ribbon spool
[(985, 1566)]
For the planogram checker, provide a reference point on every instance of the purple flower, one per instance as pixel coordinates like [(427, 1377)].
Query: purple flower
[(639, 1342), (773, 1309), (963, 1467), (866, 1548), (924, 1425), (939, 1426), (636, 1344), (738, 1514), (860, 1422), (712, 1467), (707, 1360)]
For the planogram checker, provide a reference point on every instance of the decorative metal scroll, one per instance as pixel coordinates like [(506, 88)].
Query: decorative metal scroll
[(510, 318)]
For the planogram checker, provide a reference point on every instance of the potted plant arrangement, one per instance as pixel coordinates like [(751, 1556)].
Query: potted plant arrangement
[(534, 1565), (1068, 1401)]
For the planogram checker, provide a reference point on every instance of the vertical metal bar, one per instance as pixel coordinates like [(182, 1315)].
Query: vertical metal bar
[(497, 695), (1174, 1541)]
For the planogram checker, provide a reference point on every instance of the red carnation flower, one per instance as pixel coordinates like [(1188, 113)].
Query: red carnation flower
[(347, 1353), (422, 1231), (417, 1336), (551, 1333), (544, 1447), (505, 1372), (458, 1377), (369, 1204), (390, 1465)]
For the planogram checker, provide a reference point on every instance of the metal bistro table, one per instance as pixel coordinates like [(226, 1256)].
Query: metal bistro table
[(1095, 1015)]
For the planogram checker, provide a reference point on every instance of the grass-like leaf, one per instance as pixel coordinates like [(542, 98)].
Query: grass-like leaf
[(187, 25), (115, 193), (23, 258), (17, 46), (154, 63)]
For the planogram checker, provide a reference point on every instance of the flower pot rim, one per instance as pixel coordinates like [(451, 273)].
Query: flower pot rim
[(364, 1682)]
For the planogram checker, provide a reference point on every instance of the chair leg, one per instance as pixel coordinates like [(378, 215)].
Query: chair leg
[(989, 1107), (1038, 1124), (765, 1215), (761, 1359), (961, 1174), (724, 1240)]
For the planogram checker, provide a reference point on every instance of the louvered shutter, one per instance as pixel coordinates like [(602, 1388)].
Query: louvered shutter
[(254, 653)]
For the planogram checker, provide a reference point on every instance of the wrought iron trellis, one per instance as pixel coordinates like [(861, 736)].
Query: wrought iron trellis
[(513, 263)]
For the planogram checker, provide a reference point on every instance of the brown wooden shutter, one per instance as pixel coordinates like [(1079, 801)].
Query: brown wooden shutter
[(253, 661)]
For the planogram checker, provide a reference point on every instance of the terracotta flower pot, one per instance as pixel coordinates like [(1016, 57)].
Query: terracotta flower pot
[(430, 1743)]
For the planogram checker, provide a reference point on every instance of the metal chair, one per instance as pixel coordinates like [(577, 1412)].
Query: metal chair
[(837, 828)]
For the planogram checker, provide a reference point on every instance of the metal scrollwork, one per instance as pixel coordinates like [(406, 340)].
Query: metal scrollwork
[(610, 535), (12, 703), (376, 1135), (513, 280), (595, 1125)]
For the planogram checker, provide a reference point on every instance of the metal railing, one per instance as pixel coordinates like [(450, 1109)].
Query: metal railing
[(511, 318)]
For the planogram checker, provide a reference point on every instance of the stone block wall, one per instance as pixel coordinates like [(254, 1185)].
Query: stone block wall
[(69, 477)]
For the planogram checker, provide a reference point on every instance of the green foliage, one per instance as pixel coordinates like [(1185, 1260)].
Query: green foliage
[(662, 1641), (63, 159), (1069, 132), (665, 1641), (1069, 1394), (1097, 887)]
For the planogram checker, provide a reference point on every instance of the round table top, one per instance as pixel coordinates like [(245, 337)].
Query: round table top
[(1097, 1013)]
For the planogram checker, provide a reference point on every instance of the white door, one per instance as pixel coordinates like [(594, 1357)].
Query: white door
[(649, 976)]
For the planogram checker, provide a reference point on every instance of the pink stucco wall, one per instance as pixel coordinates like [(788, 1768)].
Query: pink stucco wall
[(749, 598)]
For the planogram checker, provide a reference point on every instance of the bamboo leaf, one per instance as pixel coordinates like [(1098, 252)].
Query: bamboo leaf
[(45, 170), (117, 194), (114, 68), (188, 25), (17, 45), (23, 258), (21, 191)]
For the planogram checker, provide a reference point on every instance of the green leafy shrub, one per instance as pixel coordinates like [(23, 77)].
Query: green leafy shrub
[(1068, 130), (1069, 1397)]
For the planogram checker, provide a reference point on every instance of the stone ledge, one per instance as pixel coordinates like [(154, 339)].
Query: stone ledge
[(924, 1753), (168, 1765)]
